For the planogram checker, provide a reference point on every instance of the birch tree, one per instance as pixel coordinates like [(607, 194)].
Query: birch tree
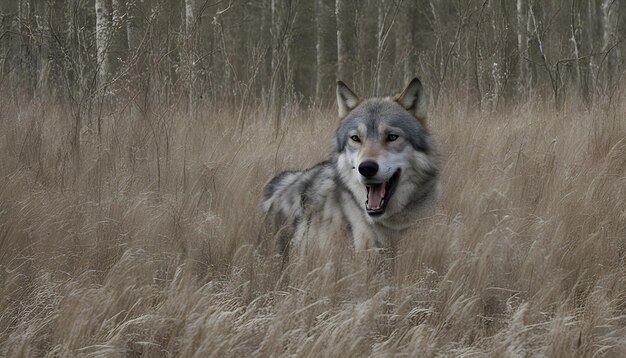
[(319, 47), (136, 34), (344, 11), (532, 46), (506, 31), (380, 43), (406, 40), (609, 40), (168, 50), (118, 37), (474, 102), (8, 41), (581, 65), (190, 45), (522, 45), (102, 37), (277, 34)]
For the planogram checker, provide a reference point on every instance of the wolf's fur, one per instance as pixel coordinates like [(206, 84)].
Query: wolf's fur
[(330, 197)]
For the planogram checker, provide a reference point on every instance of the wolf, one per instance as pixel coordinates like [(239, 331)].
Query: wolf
[(382, 175)]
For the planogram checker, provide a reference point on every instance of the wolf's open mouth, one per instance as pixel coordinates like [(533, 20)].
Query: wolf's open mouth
[(379, 194)]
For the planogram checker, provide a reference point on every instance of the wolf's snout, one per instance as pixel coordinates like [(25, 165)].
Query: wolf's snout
[(368, 168)]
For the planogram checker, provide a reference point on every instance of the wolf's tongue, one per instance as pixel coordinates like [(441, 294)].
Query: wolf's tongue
[(375, 196)]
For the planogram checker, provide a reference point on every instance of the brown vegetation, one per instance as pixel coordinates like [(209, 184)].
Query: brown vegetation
[(137, 253)]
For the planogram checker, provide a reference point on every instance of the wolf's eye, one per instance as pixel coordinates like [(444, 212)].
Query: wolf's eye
[(355, 138), (392, 137)]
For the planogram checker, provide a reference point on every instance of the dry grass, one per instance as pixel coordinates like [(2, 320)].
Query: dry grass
[(130, 253)]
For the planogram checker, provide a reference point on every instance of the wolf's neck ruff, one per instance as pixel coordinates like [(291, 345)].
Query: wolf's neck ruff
[(382, 176)]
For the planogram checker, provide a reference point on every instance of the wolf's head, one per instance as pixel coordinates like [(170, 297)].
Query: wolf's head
[(384, 152)]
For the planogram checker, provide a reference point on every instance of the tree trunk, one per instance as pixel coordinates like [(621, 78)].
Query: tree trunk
[(621, 31), (9, 41), (41, 49), (119, 45), (587, 48), (533, 50), (407, 39), (609, 39), (319, 48), (190, 44), (267, 32), (522, 47), (102, 39), (507, 48), (174, 16), (344, 13), (382, 8), (474, 103), (206, 46), (137, 51), (27, 57), (581, 65), (277, 34)]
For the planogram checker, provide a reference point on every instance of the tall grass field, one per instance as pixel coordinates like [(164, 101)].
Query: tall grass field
[(143, 236)]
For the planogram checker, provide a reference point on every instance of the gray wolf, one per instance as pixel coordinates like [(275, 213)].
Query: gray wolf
[(382, 176)]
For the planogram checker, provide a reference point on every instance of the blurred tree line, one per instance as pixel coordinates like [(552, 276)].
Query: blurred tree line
[(483, 54)]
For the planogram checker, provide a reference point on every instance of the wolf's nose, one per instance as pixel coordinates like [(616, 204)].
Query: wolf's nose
[(368, 168)]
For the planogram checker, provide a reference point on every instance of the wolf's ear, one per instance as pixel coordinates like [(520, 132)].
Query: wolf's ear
[(346, 99), (414, 100)]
